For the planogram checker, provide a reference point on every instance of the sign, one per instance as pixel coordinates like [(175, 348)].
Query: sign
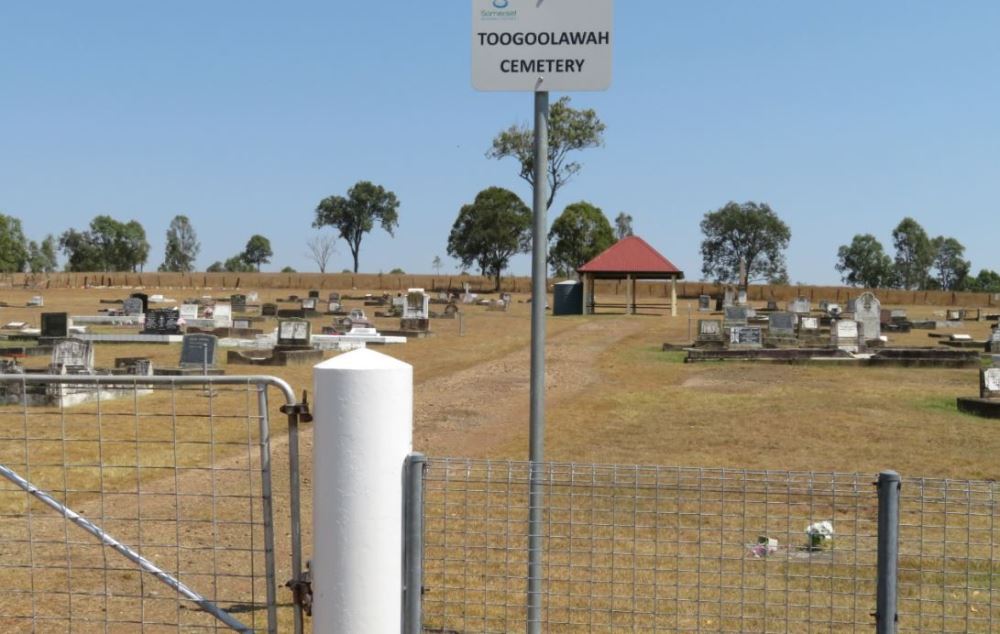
[(541, 45)]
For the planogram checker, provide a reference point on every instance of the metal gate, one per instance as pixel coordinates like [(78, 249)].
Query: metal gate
[(138, 503)]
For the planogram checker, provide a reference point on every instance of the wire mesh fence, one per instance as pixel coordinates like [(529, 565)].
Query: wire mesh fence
[(174, 470), (654, 549)]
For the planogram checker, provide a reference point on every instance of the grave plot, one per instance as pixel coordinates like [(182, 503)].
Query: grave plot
[(988, 403), (70, 357), (293, 347)]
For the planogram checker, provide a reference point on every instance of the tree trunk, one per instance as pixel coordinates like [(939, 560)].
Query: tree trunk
[(496, 286)]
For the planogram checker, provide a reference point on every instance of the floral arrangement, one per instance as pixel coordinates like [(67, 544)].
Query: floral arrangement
[(820, 535)]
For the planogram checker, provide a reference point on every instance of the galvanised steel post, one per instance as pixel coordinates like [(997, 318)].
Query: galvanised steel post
[(413, 544), (886, 616), (537, 419)]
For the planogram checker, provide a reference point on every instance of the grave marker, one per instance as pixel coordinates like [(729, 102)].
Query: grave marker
[(73, 356), (198, 350), (746, 337), (269, 309), (162, 321), (781, 324), (294, 333), (800, 305), (132, 306), (189, 311), (867, 309), (989, 383), (808, 324), (846, 335), (55, 325), (734, 316), (238, 303), (704, 303), (144, 298)]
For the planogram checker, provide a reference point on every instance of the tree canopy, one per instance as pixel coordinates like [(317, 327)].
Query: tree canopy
[(743, 242), (258, 251), (42, 257), (951, 268), (490, 230), (579, 234), (865, 263), (569, 130), (914, 254), (182, 246), (108, 245), (355, 215), (623, 225), (13, 246)]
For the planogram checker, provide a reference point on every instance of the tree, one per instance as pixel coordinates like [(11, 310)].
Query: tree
[(182, 246), (579, 234), (238, 264), (952, 270), (744, 242), (13, 246), (82, 253), (42, 257), (355, 215), (914, 254), (865, 263), (488, 232), (288, 269), (436, 264), (321, 248), (216, 267), (569, 130), (133, 250), (987, 281), (623, 225), (258, 251)]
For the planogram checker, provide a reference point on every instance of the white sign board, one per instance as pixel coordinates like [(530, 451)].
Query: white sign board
[(541, 45)]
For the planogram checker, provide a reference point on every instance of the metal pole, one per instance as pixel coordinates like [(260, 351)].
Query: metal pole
[(538, 300), (296, 516), (413, 544), (267, 509), (886, 616)]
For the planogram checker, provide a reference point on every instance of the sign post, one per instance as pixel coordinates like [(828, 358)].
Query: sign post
[(538, 46)]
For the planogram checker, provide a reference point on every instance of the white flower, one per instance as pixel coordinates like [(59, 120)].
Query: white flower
[(823, 529)]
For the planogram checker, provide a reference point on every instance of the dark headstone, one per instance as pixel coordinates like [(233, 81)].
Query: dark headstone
[(314, 294), (746, 337), (238, 303), (55, 325), (269, 310), (198, 350), (781, 324), (294, 333), (162, 321), (132, 306), (144, 298), (704, 303)]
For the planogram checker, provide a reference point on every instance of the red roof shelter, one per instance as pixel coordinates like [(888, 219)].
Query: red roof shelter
[(629, 259)]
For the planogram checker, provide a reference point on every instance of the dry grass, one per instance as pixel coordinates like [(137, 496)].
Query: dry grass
[(613, 397)]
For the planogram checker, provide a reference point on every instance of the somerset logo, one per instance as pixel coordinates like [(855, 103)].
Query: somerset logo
[(499, 11)]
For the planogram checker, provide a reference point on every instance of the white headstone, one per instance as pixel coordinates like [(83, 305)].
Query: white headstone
[(867, 311)]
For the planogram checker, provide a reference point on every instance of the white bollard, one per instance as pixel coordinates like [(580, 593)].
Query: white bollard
[(363, 434)]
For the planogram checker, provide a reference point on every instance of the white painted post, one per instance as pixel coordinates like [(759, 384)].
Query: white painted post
[(363, 434), (673, 297)]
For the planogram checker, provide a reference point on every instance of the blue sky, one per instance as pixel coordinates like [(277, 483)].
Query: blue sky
[(844, 117)]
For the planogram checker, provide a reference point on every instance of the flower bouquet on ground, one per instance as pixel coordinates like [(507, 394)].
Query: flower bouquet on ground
[(819, 536)]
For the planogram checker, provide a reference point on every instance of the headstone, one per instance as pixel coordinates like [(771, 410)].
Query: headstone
[(138, 366), (314, 294), (824, 305), (772, 305), (241, 323), (989, 383), (144, 298), (741, 298), (808, 324), (734, 316), (867, 309), (898, 314), (357, 314), (746, 337), (709, 330), (954, 314), (223, 315), (269, 310), (132, 306), (198, 350), (189, 311), (332, 307), (294, 333), (55, 325), (727, 298), (704, 303), (885, 317), (781, 324), (417, 304), (238, 303), (451, 309), (162, 321), (800, 306), (334, 296), (252, 296), (309, 303), (846, 335), (36, 300), (73, 356), (994, 342)]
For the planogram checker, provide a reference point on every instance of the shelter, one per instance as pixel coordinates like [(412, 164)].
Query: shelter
[(629, 259)]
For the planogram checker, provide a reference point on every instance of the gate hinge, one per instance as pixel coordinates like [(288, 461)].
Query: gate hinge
[(302, 592), (302, 409)]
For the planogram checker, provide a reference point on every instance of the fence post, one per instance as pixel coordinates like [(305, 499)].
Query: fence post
[(413, 546), (886, 615), (363, 433)]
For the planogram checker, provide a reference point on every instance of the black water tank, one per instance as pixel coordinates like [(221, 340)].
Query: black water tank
[(567, 298)]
